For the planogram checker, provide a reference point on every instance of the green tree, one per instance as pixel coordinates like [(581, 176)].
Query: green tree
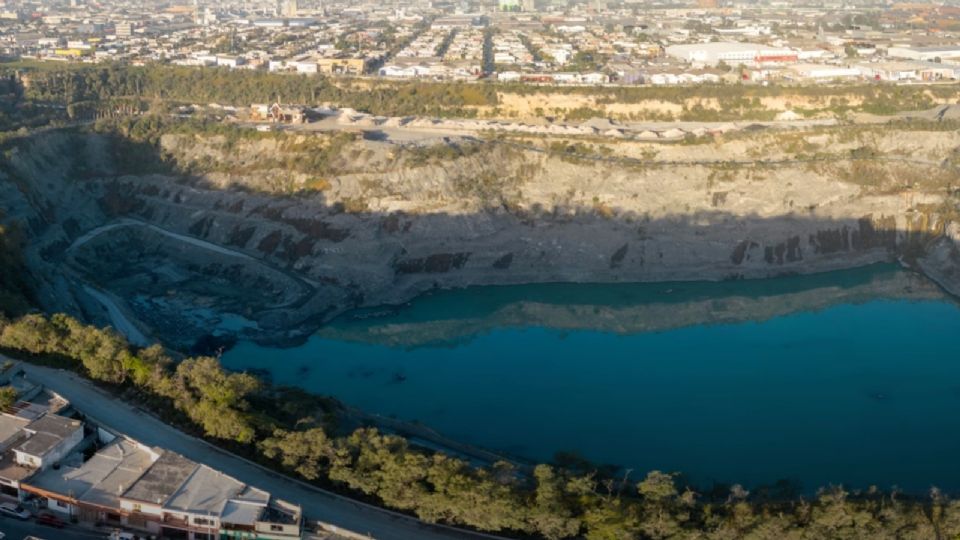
[(304, 452), (552, 511), (216, 399), (8, 397), (207, 378), (611, 518), (661, 512), (31, 333)]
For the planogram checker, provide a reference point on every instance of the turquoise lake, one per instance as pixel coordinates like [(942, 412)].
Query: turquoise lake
[(849, 377)]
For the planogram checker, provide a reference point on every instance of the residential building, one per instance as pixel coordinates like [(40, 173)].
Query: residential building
[(123, 29), (48, 440), (133, 486), (341, 66), (287, 8), (94, 476)]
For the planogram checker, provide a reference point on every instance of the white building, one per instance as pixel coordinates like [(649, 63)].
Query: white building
[(305, 67), (751, 30), (49, 439), (124, 29), (567, 78), (232, 62), (823, 72), (595, 78), (132, 485), (909, 71), (732, 53), (560, 55), (405, 72), (287, 8), (926, 54)]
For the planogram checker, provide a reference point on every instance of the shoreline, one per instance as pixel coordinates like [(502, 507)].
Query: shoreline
[(363, 315)]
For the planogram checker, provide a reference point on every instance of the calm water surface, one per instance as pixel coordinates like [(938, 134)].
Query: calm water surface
[(863, 393)]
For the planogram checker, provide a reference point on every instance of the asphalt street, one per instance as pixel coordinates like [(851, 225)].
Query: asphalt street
[(317, 504)]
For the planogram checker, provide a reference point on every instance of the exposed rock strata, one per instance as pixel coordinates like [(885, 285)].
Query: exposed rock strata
[(188, 256)]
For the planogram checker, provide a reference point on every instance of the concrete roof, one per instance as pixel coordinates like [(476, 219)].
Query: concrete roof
[(40, 403), (252, 494), (39, 444), (30, 411), (942, 48), (893, 65), (131, 462), (242, 513), (58, 426), (95, 481), (717, 47), (162, 480), (10, 426), (10, 470), (205, 492), (49, 431)]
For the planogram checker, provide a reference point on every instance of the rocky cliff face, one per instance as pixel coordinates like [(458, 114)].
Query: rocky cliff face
[(232, 247)]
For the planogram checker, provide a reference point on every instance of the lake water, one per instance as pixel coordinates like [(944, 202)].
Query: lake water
[(849, 377)]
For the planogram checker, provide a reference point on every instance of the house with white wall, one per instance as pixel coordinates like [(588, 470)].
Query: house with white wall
[(49, 439)]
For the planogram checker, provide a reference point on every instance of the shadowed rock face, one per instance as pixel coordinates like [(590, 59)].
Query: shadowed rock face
[(446, 317), (182, 260)]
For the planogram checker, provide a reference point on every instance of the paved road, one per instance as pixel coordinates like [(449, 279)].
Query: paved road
[(15, 529), (317, 504)]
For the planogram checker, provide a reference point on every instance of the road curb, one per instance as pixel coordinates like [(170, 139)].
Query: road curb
[(328, 527)]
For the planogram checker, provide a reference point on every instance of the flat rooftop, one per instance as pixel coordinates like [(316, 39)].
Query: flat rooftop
[(10, 470), (242, 513), (130, 461), (96, 481), (206, 491), (10, 426), (724, 46), (162, 480), (39, 444), (29, 411), (936, 49), (58, 426), (253, 495)]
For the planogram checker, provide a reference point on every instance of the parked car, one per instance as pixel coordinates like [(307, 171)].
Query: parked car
[(14, 510), (50, 520)]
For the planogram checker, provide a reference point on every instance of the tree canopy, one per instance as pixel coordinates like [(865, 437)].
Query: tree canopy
[(548, 501)]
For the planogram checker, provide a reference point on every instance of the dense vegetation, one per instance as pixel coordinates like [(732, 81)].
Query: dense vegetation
[(87, 88), (18, 113), (78, 88), (875, 96), (553, 502), (296, 433)]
